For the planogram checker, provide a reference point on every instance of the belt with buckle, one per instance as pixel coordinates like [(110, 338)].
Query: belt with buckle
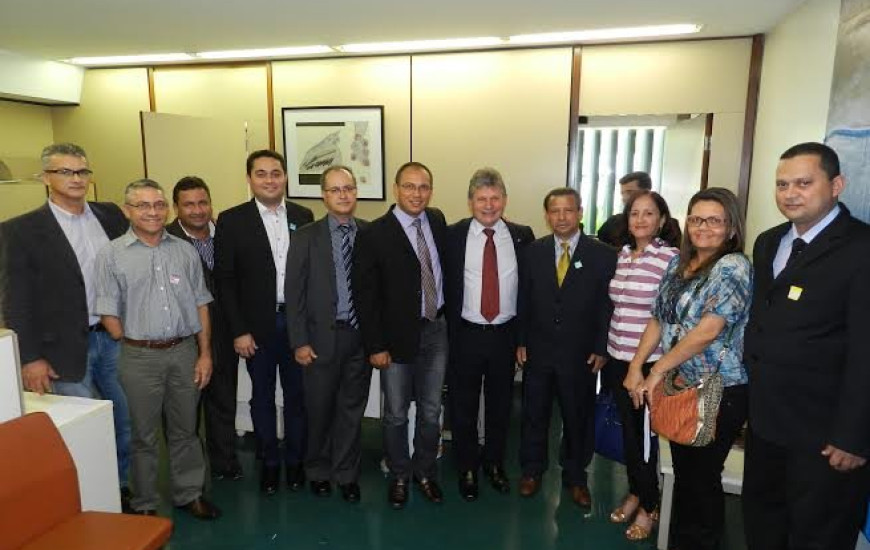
[(154, 344), (280, 308), (344, 324), (97, 327), (438, 315)]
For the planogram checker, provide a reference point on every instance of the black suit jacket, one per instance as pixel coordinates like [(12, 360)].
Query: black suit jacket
[(244, 270), (386, 282), (807, 358), (45, 300), (563, 325), (454, 264), (311, 294)]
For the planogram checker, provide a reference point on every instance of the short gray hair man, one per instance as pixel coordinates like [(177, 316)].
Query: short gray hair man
[(486, 177)]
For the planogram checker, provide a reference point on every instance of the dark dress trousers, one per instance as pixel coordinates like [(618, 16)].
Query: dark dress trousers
[(337, 381), (479, 354), (245, 280), (561, 327), (219, 397), (43, 295), (809, 379), (388, 293)]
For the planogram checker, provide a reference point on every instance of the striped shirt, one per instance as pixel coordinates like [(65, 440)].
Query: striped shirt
[(633, 291)]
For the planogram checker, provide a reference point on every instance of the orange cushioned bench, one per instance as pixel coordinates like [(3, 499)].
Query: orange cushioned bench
[(40, 508)]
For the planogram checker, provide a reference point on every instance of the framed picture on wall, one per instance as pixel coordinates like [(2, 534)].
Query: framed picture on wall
[(316, 138)]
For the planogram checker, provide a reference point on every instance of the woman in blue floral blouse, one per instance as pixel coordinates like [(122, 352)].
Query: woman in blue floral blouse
[(698, 318)]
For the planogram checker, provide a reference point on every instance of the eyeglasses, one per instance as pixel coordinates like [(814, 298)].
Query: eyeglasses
[(84, 173), (713, 222), (411, 188), (346, 190), (147, 206)]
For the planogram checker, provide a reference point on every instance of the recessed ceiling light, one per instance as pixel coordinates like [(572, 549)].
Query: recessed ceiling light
[(421, 45), (265, 52), (130, 59), (605, 34)]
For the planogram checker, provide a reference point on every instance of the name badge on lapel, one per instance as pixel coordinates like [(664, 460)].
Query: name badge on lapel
[(794, 293), (578, 264), (292, 227)]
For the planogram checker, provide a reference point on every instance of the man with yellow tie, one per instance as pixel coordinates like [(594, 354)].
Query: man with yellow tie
[(564, 312)]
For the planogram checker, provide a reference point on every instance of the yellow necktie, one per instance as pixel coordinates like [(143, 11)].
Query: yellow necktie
[(564, 263)]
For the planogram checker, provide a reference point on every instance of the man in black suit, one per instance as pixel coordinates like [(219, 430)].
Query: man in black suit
[(564, 317), (48, 269), (482, 281), (324, 335), (806, 476), (614, 231), (398, 290), (251, 243), (191, 200)]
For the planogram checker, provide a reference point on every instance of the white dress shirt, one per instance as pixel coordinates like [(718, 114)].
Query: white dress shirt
[(784, 250), (508, 274), (86, 237), (407, 223), (275, 221)]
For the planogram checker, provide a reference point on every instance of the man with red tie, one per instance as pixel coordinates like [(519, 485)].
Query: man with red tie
[(482, 282)]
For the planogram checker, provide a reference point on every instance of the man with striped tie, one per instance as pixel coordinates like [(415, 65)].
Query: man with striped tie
[(400, 299), (324, 335)]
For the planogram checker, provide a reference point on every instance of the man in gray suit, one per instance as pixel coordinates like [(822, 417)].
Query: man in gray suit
[(324, 335)]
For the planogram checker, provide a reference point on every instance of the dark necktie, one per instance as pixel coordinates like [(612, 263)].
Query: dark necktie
[(489, 297), (346, 257), (427, 275), (797, 246)]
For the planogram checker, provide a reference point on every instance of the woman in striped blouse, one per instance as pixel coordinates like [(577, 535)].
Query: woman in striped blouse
[(653, 238)]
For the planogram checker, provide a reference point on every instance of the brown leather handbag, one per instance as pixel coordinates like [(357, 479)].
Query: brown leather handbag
[(686, 414)]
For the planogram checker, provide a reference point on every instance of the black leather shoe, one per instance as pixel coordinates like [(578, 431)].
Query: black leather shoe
[(397, 494), (468, 489), (350, 492), (126, 508), (200, 508), (295, 477), (269, 479), (321, 488), (497, 478), (430, 489)]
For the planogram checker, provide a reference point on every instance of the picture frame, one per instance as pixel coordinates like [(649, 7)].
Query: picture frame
[(316, 138)]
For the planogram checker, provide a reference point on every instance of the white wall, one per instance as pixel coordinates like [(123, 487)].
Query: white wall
[(681, 165), (793, 100)]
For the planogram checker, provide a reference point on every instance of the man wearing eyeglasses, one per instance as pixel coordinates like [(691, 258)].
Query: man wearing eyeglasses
[(400, 299), (324, 335), (48, 267), (151, 293)]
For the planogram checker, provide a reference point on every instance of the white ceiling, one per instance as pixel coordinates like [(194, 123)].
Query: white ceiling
[(58, 29)]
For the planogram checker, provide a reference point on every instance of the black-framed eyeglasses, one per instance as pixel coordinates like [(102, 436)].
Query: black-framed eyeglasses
[(713, 222), (84, 173)]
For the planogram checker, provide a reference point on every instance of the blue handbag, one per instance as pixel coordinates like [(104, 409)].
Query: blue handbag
[(608, 428)]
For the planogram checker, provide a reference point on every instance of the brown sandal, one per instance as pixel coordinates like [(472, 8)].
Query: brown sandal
[(637, 532)]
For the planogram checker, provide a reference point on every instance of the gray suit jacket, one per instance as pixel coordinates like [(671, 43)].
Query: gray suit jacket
[(310, 293)]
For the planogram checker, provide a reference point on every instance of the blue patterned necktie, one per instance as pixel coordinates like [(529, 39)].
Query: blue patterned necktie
[(346, 256)]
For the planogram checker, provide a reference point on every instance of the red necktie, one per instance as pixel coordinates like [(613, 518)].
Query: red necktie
[(489, 298)]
